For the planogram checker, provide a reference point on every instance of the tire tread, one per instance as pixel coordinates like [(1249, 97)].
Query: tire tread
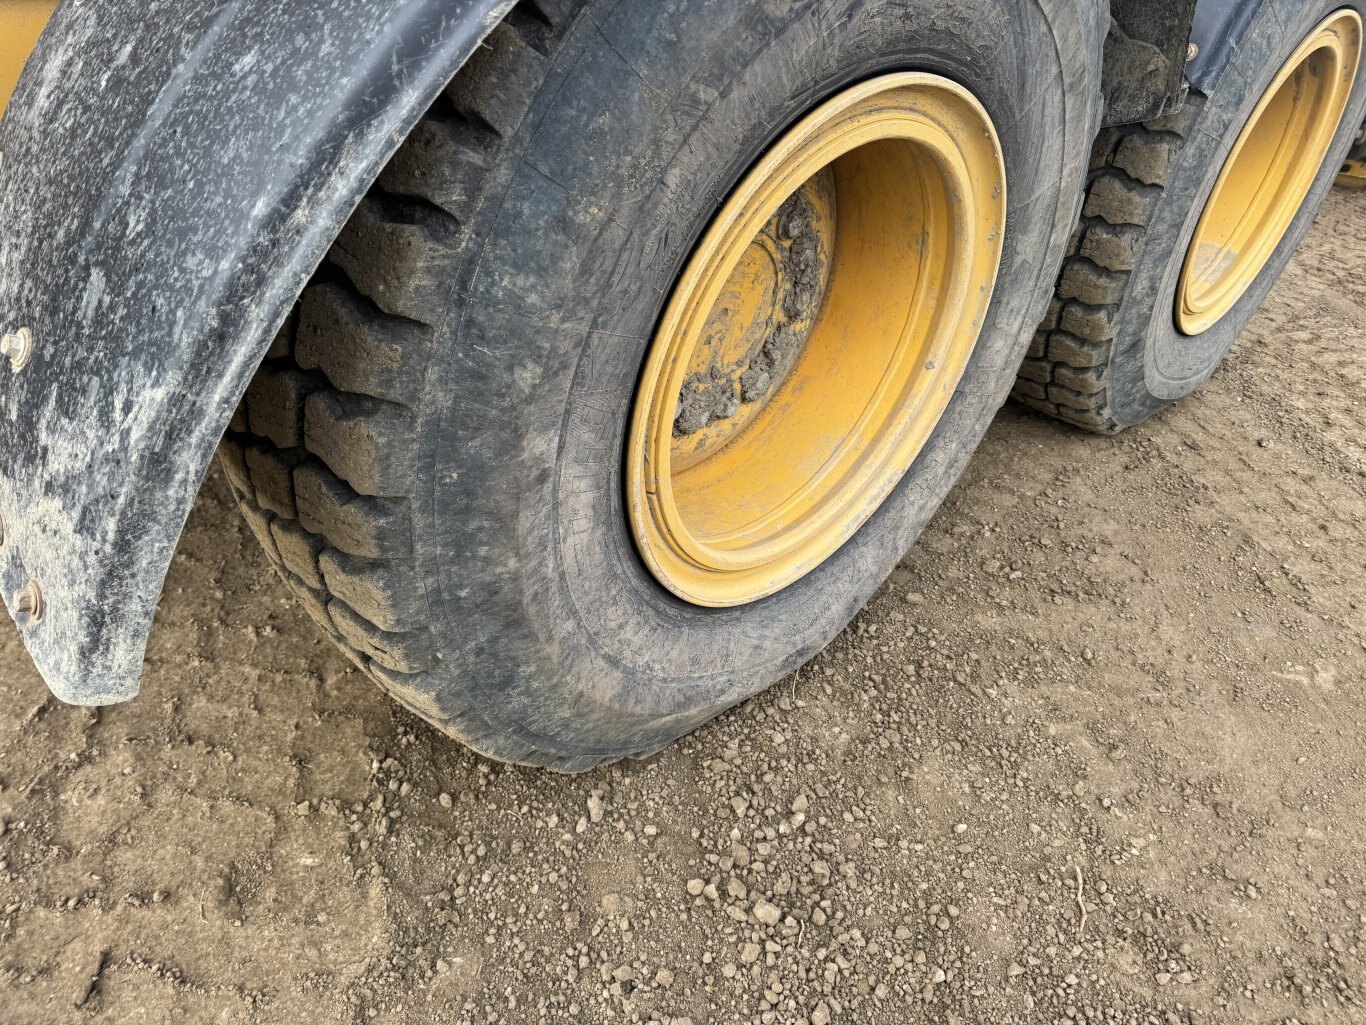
[(1067, 374)]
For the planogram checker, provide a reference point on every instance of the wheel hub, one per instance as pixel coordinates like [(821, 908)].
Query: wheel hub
[(759, 325)]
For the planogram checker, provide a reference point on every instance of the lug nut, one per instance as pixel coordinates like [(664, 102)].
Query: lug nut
[(29, 602), (18, 346)]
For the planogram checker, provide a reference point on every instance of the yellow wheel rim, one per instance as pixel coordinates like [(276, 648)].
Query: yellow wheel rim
[(1269, 172), (21, 23), (815, 338)]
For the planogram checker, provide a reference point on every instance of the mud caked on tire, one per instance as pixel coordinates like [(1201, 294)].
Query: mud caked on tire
[(1113, 348), (432, 453)]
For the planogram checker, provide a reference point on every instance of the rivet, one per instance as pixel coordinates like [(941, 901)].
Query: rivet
[(18, 346), (29, 602)]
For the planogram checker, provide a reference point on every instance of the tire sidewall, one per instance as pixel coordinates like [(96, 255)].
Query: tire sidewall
[(1155, 364), (645, 124)]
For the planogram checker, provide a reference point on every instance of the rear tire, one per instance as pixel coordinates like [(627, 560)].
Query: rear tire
[(1109, 353), (432, 454)]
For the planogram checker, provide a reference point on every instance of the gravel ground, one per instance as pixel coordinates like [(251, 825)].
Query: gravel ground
[(1092, 754)]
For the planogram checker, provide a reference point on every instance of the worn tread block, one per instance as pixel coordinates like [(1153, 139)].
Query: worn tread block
[(402, 652), (1050, 319), (275, 404), (1146, 157), (1119, 200), (359, 348), (367, 442), (1070, 397), (1093, 323), (233, 459), (299, 551), (1089, 418), (372, 528), (499, 81), (1036, 370), (1112, 246), (1025, 388), (400, 264), (1082, 380), (272, 473), (387, 594), (415, 692), (1076, 352), (444, 162)]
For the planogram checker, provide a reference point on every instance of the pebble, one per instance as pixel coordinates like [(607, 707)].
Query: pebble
[(766, 912), (596, 807)]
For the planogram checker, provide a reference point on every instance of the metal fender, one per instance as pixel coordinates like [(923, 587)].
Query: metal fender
[(172, 172)]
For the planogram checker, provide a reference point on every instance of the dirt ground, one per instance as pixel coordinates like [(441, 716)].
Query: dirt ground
[(1094, 753)]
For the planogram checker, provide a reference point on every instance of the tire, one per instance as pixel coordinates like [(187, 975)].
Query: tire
[(431, 453), (1109, 353)]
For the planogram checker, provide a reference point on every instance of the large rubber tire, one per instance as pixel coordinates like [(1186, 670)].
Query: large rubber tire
[(432, 453), (1108, 353)]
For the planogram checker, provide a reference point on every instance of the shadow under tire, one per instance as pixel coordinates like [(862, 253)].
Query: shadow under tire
[(1111, 350), (433, 452)]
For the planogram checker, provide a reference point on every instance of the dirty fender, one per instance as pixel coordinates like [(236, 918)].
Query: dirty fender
[(172, 172)]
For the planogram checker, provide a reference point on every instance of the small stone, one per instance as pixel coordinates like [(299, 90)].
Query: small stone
[(664, 978), (821, 1015), (961, 827), (1013, 970), (596, 807), (937, 977), (749, 953), (444, 799), (695, 887), (766, 912)]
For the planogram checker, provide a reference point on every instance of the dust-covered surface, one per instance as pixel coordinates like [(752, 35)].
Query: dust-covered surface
[(1119, 675), (160, 215)]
